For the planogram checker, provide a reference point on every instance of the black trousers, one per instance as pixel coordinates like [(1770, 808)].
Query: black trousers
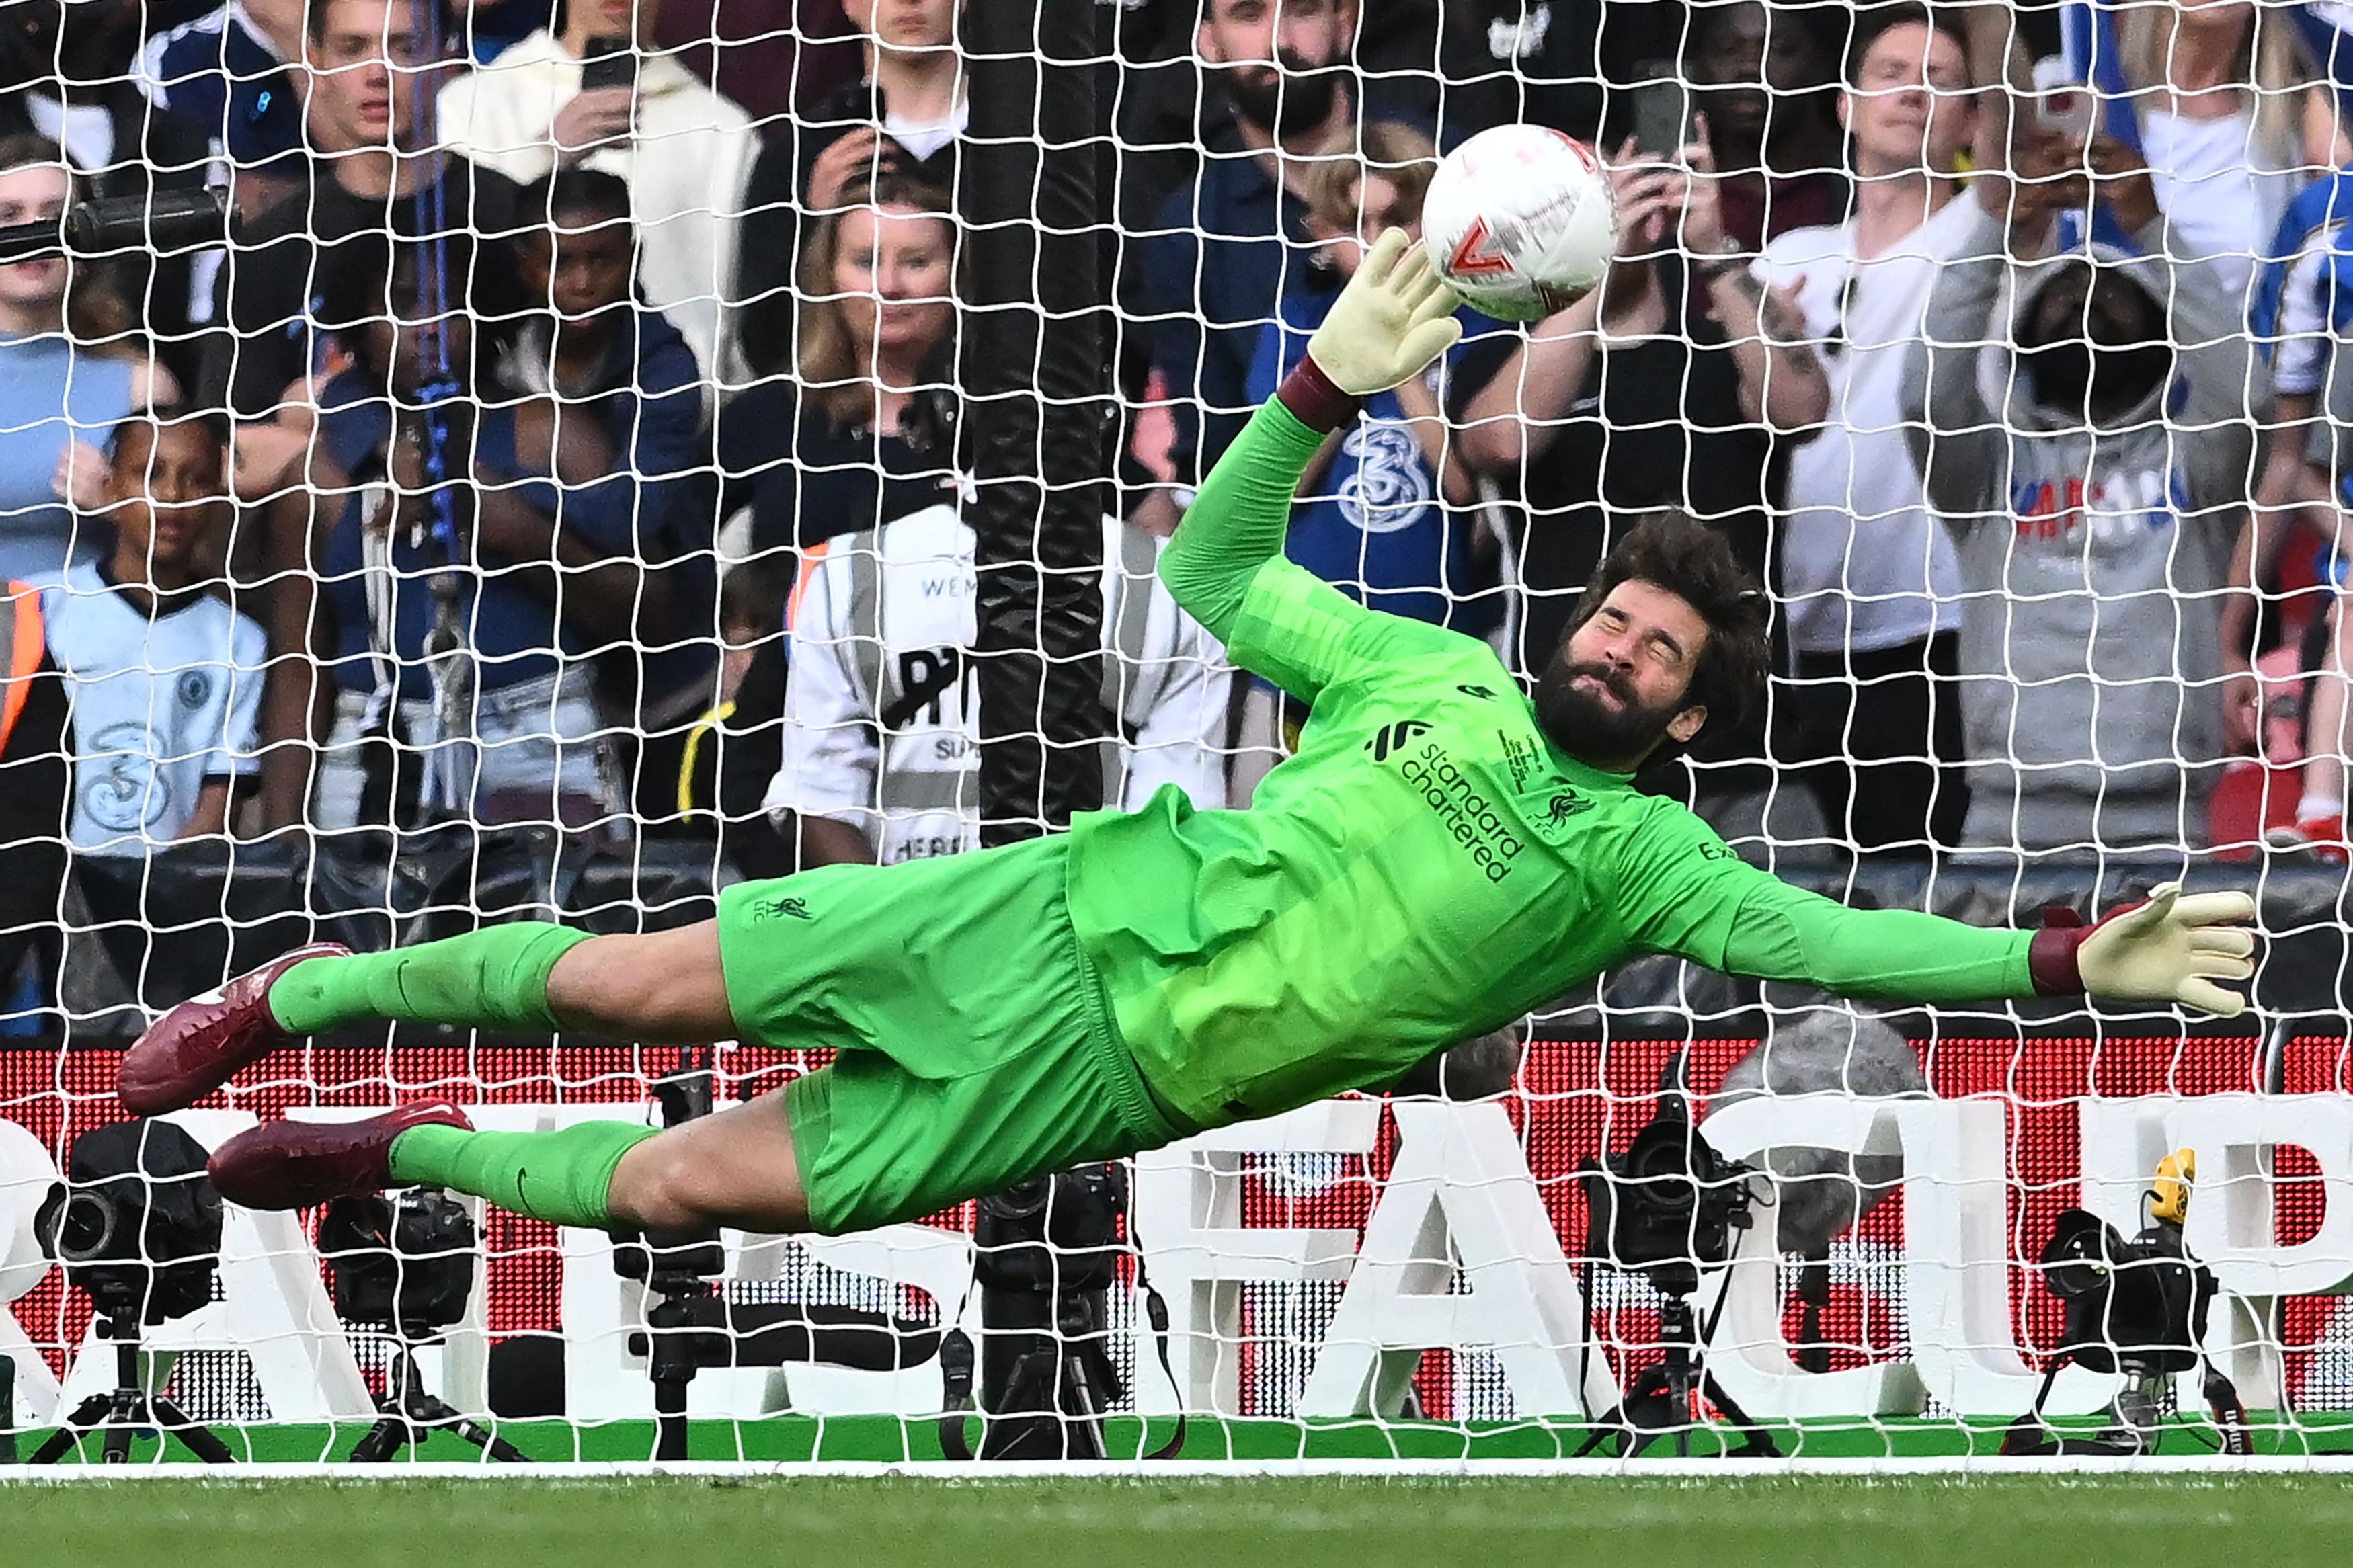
[(1876, 736)]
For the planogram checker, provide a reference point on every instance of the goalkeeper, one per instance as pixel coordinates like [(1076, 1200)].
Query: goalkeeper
[(1441, 856)]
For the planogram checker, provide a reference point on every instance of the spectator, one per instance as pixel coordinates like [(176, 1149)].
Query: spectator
[(165, 679), (545, 569), (1232, 241), (1637, 397), (685, 152), (36, 789), (1383, 515), (2298, 318), (863, 433), (227, 78), (70, 368), (375, 175), (64, 75), (1763, 80), (2213, 97), (904, 114), (590, 343), (1869, 579), (881, 740), (2095, 509)]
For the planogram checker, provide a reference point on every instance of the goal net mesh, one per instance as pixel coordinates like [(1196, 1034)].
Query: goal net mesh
[(576, 514)]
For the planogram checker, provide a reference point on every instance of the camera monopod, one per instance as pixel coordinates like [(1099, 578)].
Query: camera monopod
[(106, 226)]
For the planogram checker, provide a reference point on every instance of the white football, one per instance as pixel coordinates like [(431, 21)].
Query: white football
[(1520, 221)]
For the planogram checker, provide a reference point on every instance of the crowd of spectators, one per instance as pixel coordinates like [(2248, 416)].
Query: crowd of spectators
[(569, 432)]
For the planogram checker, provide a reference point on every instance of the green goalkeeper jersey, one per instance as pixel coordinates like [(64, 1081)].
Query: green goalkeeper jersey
[(1427, 867)]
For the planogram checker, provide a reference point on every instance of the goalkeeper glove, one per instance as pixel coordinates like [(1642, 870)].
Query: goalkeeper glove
[(1388, 325), (2170, 949)]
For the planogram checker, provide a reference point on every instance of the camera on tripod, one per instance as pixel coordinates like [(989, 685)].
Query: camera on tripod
[(406, 1265), (1045, 1255), (2136, 1309), (1666, 1208), (691, 1323), (137, 1226)]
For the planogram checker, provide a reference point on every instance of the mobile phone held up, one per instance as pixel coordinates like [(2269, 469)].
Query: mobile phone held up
[(608, 62), (2063, 104), (1665, 118)]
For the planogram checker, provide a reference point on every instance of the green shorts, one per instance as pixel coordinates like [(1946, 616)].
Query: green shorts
[(976, 1047)]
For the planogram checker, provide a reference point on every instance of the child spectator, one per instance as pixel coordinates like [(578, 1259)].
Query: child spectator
[(608, 359), (544, 568), (633, 112), (164, 678)]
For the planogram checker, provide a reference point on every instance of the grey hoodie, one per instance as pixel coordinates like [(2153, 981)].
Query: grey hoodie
[(2094, 563)]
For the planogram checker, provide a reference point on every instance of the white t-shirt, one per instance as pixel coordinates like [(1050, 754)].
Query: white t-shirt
[(922, 137), (1864, 563), (2219, 204), (161, 704), (881, 726)]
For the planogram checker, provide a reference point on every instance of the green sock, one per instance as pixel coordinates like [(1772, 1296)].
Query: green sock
[(564, 1177), (491, 978)]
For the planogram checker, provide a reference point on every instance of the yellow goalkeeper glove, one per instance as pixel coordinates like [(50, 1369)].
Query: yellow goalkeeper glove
[(1390, 323), (2168, 949)]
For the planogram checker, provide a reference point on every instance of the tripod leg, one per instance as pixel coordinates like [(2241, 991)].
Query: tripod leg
[(490, 1442), (201, 1440), (382, 1442), (89, 1413), (429, 1410), (670, 1419), (1680, 1385), (1757, 1443)]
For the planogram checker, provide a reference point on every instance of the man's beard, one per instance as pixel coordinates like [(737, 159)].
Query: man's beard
[(1297, 96), (1582, 724)]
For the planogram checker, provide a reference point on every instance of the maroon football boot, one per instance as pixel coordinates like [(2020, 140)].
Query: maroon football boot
[(206, 1040), (295, 1164)]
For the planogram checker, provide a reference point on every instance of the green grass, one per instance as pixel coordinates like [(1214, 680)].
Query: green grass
[(1730, 1522)]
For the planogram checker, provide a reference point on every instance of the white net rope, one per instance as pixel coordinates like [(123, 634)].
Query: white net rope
[(556, 499)]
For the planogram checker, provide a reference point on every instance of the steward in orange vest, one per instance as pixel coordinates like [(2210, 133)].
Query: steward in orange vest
[(36, 776)]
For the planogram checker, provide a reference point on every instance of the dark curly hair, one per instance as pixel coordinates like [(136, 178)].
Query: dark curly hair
[(1673, 551)]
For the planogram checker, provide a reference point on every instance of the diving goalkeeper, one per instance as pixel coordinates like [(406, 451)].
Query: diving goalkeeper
[(1440, 855)]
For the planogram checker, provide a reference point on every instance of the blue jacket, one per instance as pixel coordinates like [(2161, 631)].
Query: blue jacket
[(220, 76)]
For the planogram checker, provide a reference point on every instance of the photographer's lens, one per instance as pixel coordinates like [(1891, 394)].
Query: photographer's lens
[(1020, 1201), (84, 1229), (1659, 1165)]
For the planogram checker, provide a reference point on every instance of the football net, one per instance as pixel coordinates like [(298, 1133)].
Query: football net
[(515, 618)]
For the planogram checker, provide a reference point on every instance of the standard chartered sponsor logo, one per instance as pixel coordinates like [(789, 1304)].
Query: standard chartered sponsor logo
[(1476, 823)]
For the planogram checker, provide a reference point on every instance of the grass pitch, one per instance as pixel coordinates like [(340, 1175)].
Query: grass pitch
[(1347, 1522)]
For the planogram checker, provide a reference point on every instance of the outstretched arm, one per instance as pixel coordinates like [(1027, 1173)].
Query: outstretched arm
[(1226, 565), (2170, 949)]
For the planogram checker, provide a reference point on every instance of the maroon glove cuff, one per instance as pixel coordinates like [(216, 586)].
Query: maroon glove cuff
[(1314, 400), (2050, 957)]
